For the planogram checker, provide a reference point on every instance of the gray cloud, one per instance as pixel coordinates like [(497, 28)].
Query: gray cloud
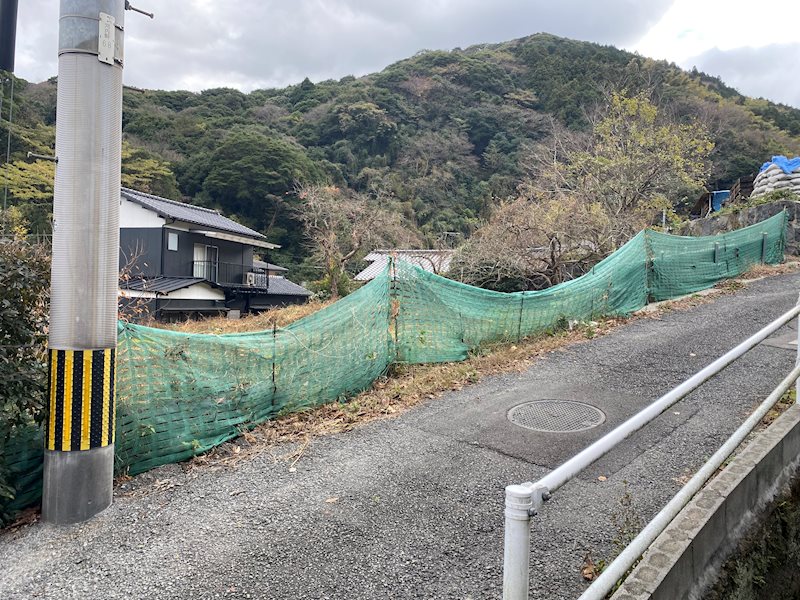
[(199, 44), (769, 72)]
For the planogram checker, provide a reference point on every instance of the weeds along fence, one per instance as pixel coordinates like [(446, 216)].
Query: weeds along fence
[(180, 394)]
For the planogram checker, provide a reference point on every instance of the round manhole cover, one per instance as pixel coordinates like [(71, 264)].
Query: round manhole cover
[(556, 416)]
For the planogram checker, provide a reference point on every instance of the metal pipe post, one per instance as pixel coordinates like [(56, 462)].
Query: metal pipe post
[(79, 454), (797, 360), (524, 499), (8, 34), (516, 552)]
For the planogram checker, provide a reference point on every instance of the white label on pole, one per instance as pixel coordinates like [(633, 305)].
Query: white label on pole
[(105, 43)]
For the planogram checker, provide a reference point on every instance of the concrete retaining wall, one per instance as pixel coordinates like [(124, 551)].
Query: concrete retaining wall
[(686, 557), (749, 216)]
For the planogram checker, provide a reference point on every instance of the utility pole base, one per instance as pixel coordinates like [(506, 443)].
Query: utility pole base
[(77, 485)]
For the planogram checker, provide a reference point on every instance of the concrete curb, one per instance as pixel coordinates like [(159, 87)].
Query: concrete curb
[(686, 557)]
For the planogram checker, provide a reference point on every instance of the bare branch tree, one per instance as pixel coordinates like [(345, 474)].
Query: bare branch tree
[(533, 244), (340, 224)]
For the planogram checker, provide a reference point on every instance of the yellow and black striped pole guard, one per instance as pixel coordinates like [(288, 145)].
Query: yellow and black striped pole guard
[(81, 399)]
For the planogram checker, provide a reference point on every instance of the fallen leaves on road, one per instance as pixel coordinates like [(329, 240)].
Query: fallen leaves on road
[(27, 517), (163, 485), (590, 570)]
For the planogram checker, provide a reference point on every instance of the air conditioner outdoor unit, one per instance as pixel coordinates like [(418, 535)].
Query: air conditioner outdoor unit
[(250, 278)]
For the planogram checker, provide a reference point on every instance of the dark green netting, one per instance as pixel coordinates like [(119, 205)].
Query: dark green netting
[(683, 265), (440, 320), (22, 457), (180, 394)]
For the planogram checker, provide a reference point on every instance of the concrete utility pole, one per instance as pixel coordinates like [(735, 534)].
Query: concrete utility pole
[(79, 454)]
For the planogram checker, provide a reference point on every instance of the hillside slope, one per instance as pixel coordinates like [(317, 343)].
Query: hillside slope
[(441, 131)]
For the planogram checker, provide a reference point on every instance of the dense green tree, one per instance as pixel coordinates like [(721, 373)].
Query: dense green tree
[(29, 182), (251, 176), (147, 172)]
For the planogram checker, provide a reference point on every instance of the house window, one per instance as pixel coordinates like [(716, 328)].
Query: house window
[(172, 241)]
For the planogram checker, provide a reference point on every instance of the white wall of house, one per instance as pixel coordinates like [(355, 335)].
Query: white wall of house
[(134, 216), (198, 291), (136, 294)]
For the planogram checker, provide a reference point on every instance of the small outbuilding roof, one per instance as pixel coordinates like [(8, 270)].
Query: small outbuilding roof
[(260, 264), (280, 286), (161, 285), (188, 213), (433, 261)]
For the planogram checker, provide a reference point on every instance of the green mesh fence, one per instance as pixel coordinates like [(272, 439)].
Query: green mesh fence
[(682, 265), (440, 320), (180, 394), (21, 458)]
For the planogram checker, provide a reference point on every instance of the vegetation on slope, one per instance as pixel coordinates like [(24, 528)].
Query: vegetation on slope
[(442, 134)]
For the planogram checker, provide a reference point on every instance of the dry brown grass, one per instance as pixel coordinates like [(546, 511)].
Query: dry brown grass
[(790, 265), (248, 323), (405, 386)]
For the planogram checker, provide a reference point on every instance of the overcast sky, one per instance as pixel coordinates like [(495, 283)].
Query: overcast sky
[(249, 44)]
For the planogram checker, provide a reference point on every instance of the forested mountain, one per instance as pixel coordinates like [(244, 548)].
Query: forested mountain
[(443, 133)]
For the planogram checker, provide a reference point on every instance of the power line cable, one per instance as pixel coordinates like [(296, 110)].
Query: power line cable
[(8, 153)]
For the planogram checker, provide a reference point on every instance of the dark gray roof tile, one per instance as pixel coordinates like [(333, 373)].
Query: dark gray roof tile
[(280, 286), (180, 211)]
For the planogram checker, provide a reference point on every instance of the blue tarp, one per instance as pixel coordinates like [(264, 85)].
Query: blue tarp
[(788, 165), (719, 198)]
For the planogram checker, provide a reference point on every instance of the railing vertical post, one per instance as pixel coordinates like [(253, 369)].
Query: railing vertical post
[(797, 360), (516, 553), (764, 247)]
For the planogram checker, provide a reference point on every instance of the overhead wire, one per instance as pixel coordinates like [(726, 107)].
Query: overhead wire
[(8, 151)]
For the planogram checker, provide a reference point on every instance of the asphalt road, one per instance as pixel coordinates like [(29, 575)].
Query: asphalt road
[(412, 507)]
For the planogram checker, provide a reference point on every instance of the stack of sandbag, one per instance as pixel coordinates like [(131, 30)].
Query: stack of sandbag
[(780, 173)]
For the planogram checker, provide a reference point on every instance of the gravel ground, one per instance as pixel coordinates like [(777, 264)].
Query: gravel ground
[(412, 507)]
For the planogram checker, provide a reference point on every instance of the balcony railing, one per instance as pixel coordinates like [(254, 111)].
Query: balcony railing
[(231, 274)]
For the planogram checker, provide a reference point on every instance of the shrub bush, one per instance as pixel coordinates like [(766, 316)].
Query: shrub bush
[(24, 292)]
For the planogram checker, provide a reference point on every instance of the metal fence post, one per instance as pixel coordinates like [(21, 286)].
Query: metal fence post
[(516, 552)]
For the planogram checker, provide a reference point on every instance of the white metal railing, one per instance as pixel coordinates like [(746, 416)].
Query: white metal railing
[(523, 500)]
